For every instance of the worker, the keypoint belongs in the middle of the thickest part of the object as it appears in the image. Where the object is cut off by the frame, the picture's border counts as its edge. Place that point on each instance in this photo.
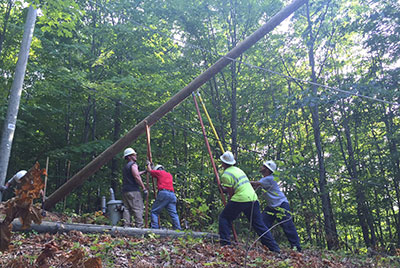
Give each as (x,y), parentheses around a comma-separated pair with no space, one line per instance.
(165,198)
(242,198)
(277,204)
(131,196)
(15,179)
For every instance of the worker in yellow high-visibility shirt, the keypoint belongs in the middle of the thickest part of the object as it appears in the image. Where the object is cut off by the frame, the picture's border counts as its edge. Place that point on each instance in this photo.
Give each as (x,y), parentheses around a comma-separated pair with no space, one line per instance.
(242,198)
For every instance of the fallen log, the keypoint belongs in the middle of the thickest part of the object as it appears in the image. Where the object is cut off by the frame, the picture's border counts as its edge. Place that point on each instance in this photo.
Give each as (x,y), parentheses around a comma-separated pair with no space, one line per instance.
(60,227)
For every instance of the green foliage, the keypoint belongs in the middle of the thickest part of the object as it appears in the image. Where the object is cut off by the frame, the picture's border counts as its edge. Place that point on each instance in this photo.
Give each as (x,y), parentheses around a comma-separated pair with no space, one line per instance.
(96,69)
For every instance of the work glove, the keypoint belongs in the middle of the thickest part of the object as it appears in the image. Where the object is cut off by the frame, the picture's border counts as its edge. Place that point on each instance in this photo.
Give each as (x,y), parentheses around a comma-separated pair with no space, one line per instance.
(145,193)
(3,188)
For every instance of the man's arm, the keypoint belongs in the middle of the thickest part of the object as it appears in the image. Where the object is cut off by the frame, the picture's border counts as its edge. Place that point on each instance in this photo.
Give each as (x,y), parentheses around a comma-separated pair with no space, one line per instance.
(136,176)
(255,184)
(227,185)
(229,190)
(148,166)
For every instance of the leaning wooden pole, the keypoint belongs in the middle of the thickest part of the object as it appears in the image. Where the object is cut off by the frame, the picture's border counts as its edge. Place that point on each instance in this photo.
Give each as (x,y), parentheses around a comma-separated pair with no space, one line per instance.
(140,128)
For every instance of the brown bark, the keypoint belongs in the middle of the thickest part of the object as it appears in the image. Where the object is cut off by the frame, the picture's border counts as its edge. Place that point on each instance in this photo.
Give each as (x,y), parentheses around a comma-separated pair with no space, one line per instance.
(332,238)
(395,160)
(116,134)
(5,22)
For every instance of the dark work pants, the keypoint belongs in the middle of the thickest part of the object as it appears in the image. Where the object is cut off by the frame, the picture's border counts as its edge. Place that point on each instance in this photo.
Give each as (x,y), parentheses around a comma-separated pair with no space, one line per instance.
(271,214)
(233,210)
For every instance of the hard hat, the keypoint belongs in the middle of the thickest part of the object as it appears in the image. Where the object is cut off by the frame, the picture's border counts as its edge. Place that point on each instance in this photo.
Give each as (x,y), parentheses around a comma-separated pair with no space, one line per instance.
(129,151)
(270,165)
(228,158)
(159,167)
(18,176)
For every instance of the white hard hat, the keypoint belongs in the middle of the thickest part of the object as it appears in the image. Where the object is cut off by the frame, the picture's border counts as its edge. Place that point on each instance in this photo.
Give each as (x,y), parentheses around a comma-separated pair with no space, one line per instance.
(129,151)
(158,167)
(18,176)
(270,165)
(228,158)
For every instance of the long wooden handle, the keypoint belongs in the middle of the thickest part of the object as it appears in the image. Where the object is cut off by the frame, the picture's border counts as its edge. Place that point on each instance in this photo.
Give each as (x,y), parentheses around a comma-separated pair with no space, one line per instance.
(45,179)
(149,156)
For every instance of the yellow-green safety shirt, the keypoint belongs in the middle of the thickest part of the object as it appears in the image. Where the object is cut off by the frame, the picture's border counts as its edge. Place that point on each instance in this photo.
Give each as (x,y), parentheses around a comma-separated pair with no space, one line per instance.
(243,191)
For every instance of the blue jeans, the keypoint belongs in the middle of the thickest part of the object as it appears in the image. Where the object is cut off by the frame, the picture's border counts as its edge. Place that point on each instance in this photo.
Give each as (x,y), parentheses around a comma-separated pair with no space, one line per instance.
(271,214)
(165,199)
(233,210)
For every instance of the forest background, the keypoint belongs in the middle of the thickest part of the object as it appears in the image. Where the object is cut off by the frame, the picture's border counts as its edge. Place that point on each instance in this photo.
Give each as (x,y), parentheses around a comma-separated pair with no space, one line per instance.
(97,68)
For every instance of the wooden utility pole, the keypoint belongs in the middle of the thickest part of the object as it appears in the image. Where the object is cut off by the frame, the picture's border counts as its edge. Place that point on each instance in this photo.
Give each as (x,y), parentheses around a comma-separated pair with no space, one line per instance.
(15,95)
(140,128)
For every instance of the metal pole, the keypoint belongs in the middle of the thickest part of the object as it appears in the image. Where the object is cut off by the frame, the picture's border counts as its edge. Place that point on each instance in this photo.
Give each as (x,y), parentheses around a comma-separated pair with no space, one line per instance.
(15,95)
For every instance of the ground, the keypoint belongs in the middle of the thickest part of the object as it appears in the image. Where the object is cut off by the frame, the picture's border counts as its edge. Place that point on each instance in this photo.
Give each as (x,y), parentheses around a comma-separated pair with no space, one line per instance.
(75,249)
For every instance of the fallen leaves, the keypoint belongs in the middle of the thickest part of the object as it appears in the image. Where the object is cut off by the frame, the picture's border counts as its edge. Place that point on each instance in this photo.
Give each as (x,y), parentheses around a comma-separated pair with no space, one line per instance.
(50,249)
(21,206)
(75,249)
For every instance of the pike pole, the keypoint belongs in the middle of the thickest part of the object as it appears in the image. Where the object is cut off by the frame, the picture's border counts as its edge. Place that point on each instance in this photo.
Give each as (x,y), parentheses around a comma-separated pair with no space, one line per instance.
(212,160)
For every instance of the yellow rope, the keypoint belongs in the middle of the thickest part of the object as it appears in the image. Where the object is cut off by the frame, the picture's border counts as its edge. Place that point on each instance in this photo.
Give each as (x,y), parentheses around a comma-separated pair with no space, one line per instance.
(211,124)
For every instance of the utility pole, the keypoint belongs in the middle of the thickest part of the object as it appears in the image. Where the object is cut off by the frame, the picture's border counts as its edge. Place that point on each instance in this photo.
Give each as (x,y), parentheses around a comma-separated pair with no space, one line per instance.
(140,128)
(15,95)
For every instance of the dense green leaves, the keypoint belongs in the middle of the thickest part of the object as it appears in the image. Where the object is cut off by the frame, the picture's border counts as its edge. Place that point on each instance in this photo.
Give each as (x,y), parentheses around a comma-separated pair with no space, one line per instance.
(98,67)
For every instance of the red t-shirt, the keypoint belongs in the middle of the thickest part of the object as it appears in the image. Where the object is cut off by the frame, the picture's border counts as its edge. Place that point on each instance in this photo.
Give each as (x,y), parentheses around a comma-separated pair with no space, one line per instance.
(164,179)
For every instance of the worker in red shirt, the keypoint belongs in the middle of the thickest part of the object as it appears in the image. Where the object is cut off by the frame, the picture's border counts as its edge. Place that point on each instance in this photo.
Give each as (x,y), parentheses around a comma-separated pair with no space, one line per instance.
(165,197)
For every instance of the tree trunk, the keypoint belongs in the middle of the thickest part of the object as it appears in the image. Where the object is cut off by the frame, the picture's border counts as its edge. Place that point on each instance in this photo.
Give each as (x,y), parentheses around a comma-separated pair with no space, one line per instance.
(329,223)
(384,175)
(5,22)
(116,134)
(232,41)
(379,219)
(362,211)
(395,160)
(216,100)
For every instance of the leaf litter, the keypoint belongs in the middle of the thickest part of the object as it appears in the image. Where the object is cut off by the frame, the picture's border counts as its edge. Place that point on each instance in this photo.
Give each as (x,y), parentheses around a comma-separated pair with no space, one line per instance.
(75,249)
